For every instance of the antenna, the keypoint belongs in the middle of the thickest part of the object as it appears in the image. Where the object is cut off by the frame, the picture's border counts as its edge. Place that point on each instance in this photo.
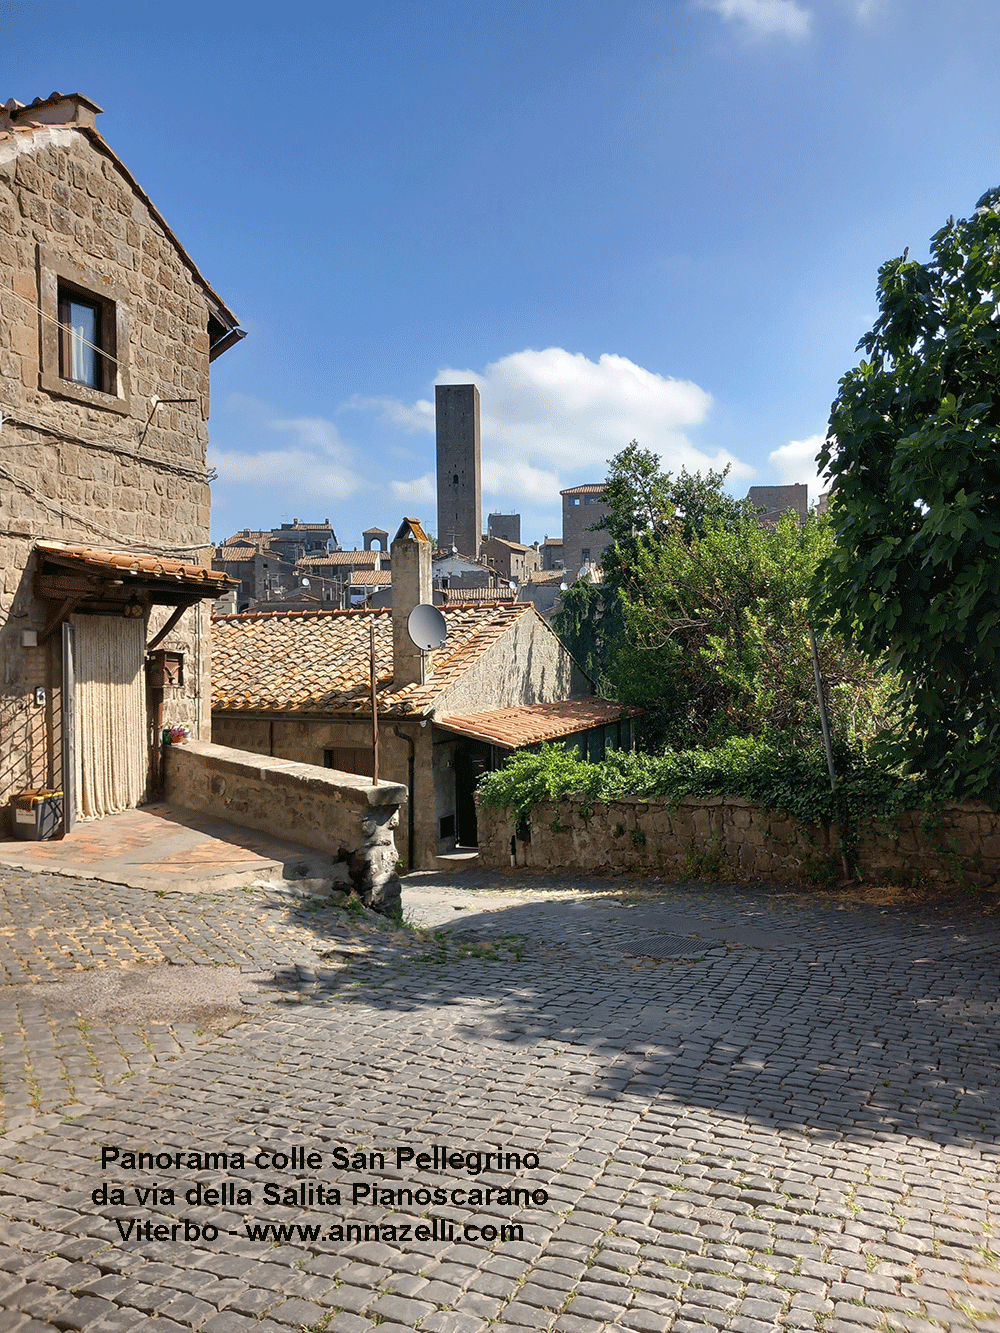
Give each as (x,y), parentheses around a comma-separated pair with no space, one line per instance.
(426,627)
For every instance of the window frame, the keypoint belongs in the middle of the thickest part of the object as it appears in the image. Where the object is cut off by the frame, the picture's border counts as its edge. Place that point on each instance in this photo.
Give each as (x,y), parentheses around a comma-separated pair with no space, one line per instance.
(62,279)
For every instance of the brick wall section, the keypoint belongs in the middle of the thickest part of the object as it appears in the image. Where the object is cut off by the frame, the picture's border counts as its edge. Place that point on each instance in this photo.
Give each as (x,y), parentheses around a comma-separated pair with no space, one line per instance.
(747,842)
(75,471)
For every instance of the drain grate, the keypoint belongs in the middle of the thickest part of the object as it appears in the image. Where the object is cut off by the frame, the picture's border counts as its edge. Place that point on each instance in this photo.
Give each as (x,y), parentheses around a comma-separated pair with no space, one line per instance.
(667,946)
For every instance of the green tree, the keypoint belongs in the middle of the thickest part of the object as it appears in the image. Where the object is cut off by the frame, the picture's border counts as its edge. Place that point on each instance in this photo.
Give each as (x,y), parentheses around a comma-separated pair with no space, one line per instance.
(715,638)
(914,454)
(703,616)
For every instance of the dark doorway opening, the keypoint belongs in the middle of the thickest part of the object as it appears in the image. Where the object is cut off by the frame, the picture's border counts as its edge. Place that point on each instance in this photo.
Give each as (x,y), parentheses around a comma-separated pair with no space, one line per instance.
(472,760)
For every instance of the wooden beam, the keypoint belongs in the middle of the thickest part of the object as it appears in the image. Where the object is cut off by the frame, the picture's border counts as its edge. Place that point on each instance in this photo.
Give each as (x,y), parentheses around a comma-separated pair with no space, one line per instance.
(171,622)
(65,610)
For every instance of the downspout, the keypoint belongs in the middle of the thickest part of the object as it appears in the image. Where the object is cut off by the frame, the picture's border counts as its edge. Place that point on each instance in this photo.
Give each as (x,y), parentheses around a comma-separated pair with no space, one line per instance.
(410,779)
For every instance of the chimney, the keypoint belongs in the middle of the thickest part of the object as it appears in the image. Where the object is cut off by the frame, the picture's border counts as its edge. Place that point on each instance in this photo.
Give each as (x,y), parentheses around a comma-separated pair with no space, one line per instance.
(56,109)
(411,585)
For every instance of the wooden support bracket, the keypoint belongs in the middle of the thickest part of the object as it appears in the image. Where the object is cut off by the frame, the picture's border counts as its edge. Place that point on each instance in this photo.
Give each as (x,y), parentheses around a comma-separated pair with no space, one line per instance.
(176,614)
(65,611)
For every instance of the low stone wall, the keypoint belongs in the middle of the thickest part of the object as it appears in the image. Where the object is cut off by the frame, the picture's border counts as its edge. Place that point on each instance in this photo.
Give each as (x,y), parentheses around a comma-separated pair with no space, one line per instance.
(338,813)
(725,837)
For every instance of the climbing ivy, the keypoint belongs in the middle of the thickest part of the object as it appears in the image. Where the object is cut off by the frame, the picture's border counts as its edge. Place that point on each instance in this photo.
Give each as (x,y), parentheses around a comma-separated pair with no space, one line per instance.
(795,781)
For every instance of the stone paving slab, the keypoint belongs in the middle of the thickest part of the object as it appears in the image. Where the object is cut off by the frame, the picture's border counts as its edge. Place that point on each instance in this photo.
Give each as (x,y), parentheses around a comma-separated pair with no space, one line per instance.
(801,1137)
(162,847)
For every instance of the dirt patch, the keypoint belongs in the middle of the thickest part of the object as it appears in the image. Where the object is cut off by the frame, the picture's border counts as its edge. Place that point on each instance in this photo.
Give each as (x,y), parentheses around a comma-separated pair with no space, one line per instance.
(204,997)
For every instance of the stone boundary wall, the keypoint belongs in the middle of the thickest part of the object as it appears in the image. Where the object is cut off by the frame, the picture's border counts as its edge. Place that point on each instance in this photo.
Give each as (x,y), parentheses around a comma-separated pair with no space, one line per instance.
(338,813)
(728,838)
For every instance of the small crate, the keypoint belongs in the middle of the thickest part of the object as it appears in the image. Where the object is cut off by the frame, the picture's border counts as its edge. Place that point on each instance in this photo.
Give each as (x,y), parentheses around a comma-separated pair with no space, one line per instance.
(37,814)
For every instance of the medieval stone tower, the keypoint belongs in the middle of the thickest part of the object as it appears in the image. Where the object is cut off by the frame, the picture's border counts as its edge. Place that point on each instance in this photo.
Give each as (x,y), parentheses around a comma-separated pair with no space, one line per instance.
(459,471)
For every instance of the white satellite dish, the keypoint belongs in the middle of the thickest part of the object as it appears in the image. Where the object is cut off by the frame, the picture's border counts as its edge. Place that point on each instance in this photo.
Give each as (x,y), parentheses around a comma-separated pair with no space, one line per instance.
(426,626)
(305,583)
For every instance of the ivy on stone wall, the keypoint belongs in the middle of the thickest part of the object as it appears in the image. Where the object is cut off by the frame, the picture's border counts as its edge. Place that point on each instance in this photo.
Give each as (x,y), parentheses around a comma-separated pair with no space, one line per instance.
(793,781)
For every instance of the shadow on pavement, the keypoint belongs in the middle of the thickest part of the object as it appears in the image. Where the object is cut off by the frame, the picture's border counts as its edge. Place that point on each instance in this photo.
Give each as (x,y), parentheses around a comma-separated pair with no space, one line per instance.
(785,1010)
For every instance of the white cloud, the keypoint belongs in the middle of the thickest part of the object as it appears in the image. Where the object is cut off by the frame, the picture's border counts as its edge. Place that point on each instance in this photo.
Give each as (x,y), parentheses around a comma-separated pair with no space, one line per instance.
(795,463)
(317,463)
(419,416)
(551,417)
(764,18)
(423,490)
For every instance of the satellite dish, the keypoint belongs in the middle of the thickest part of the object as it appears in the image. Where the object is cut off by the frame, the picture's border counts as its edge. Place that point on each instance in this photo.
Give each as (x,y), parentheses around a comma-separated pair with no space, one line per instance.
(426,626)
(305,583)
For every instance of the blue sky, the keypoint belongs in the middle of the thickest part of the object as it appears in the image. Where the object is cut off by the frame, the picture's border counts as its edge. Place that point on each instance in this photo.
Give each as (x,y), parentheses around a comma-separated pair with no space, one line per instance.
(622,219)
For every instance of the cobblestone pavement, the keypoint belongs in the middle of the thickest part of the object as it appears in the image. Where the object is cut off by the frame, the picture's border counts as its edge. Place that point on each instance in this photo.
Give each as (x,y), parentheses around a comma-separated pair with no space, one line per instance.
(750,1111)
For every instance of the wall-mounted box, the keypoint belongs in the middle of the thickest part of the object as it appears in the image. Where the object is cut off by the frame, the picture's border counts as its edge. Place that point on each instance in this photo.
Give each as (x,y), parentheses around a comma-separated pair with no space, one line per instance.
(165,668)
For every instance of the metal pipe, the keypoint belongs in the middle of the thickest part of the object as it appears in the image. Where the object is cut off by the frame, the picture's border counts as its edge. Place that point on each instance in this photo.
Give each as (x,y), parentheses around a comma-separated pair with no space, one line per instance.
(410,783)
(824,723)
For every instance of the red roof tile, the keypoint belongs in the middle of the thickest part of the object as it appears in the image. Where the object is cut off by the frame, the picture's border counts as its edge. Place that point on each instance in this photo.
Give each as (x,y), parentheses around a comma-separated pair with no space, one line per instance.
(156,567)
(512,728)
(317,661)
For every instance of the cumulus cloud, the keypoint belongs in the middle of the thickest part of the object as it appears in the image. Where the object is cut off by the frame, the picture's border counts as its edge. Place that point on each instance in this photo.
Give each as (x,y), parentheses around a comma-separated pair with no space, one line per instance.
(423,490)
(549,417)
(764,18)
(317,459)
(795,463)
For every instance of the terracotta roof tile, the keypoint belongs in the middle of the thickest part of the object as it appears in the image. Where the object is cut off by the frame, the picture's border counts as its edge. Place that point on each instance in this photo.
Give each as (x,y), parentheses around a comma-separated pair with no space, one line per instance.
(512,728)
(371,578)
(342,559)
(317,661)
(473,595)
(592,488)
(234,552)
(134,562)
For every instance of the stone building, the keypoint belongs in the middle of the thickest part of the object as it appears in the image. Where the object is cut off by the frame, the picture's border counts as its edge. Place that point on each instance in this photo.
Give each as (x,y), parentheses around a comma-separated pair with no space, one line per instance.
(296,686)
(107,329)
(778,500)
(507,526)
(459,469)
(583,506)
(513,562)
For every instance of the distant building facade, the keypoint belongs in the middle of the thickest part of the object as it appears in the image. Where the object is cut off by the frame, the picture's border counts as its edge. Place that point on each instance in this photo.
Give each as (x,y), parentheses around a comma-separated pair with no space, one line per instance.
(505,526)
(778,500)
(459,469)
(582,507)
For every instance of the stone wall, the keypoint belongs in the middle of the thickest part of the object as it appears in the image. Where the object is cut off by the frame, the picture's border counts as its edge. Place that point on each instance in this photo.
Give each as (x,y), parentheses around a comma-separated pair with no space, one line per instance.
(80,465)
(727,838)
(333,812)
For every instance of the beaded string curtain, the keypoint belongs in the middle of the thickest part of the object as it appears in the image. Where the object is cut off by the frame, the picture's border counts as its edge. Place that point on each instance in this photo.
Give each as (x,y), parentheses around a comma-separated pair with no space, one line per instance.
(111,748)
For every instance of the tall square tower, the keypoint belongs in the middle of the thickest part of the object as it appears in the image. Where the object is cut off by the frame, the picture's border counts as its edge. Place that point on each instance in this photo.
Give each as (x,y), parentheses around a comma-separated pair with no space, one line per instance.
(459,468)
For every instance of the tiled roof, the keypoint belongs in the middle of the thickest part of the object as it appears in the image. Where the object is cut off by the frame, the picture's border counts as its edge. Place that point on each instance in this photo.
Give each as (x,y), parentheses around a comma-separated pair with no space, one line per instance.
(546,576)
(156,567)
(514,546)
(375,532)
(473,595)
(341,559)
(592,488)
(234,552)
(249,536)
(513,727)
(371,578)
(317,661)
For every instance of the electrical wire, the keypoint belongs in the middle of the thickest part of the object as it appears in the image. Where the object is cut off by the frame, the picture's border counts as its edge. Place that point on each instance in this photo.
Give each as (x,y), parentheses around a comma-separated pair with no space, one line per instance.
(164,464)
(63,328)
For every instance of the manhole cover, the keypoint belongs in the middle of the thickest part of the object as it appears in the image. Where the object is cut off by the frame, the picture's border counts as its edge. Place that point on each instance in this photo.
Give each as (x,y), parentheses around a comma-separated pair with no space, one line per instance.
(667,946)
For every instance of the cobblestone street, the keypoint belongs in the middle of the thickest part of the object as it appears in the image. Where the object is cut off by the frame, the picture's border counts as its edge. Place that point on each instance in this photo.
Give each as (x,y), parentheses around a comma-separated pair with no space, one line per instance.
(751,1110)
